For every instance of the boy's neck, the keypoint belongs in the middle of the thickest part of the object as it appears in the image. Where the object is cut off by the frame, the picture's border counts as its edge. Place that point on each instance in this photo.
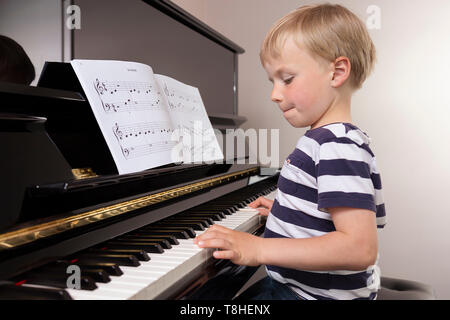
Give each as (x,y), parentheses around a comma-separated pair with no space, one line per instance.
(338,111)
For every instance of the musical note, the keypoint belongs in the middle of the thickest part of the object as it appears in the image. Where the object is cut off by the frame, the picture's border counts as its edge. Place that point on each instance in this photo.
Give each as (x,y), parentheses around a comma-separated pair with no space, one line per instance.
(138,129)
(182,101)
(117,132)
(127,96)
(138,151)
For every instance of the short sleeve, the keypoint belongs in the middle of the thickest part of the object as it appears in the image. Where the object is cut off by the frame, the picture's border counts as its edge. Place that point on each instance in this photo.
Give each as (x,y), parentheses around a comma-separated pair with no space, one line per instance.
(344,176)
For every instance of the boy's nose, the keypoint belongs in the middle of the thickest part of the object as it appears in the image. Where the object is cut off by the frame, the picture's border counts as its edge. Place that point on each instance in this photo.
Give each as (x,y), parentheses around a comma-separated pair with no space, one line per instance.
(276,96)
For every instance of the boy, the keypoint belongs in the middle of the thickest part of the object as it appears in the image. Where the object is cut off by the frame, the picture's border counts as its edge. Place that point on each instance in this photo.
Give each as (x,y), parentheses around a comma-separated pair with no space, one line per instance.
(320,240)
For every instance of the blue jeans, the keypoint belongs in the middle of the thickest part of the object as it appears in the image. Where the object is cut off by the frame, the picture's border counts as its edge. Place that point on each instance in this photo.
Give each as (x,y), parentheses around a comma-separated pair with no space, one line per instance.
(269,289)
(232,278)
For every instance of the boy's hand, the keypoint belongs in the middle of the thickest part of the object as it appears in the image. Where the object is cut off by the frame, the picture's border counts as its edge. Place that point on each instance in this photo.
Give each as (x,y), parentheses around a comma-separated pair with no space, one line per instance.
(240,247)
(265,203)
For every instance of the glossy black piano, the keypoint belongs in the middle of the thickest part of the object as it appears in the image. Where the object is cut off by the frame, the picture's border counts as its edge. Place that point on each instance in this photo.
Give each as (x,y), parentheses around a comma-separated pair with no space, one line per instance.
(72,228)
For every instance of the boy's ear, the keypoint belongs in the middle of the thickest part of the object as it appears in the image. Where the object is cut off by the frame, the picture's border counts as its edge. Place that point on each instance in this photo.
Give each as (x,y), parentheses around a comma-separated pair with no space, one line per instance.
(341,72)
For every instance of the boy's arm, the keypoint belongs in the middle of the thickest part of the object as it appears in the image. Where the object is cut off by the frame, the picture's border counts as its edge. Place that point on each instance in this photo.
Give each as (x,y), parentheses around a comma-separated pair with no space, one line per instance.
(353,246)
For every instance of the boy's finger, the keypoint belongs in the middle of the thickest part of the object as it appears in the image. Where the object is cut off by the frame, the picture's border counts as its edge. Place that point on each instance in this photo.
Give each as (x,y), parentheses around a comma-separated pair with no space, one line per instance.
(263,212)
(208,234)
(220,228)
(255,203)
(261,201)
(224,254)
(214,243)
(213,233)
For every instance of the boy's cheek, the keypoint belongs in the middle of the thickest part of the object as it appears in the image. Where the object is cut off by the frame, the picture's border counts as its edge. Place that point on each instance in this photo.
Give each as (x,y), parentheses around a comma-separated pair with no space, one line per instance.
(302,102)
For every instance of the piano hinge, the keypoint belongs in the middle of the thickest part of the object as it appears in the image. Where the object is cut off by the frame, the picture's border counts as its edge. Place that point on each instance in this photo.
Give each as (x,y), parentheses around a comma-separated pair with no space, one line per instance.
(84,173)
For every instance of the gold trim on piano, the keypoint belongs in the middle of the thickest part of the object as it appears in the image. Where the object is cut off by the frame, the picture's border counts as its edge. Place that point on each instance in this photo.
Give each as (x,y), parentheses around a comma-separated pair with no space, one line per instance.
(22,236)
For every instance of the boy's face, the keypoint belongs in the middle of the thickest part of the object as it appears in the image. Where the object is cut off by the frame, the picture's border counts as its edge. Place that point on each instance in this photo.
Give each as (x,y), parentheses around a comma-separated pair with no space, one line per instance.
(301,85)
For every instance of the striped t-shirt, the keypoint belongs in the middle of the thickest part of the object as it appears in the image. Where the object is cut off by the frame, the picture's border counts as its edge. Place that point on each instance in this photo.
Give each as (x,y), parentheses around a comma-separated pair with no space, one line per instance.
(331,166)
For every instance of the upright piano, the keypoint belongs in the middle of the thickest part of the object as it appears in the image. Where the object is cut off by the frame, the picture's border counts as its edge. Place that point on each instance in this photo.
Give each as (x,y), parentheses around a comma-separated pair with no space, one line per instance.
(71,227)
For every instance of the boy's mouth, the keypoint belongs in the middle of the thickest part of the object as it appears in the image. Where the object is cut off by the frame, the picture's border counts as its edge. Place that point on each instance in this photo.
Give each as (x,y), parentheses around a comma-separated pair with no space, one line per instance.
(287,109)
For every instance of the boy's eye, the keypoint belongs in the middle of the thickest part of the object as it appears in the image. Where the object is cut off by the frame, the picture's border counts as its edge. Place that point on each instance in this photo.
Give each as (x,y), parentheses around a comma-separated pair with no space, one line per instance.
(288,80)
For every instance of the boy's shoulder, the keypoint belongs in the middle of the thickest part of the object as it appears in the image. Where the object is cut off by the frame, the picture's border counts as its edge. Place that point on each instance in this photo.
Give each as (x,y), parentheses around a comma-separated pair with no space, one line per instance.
(339,132)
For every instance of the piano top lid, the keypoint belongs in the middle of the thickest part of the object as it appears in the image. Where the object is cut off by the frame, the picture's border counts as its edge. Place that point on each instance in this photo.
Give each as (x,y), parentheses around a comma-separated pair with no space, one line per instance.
(30,92)
(181,15)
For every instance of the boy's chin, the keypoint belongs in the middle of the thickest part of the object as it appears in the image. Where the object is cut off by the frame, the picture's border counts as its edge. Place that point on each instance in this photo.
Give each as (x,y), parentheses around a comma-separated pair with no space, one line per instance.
(299,124)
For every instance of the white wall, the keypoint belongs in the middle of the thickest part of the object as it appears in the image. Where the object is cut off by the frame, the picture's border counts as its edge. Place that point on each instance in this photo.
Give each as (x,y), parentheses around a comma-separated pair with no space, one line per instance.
(196,7)
(404,107)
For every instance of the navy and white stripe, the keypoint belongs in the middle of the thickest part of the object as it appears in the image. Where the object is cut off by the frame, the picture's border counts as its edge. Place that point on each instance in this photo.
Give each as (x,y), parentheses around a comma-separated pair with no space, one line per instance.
(331,166)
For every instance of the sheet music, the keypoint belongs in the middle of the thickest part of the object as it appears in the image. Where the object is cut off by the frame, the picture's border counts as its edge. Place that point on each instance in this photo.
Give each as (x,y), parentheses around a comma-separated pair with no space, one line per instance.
(189,116)
(131,112)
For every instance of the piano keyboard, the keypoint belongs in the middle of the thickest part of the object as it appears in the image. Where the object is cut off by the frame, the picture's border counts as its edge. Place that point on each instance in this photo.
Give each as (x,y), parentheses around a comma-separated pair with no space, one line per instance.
(146,262)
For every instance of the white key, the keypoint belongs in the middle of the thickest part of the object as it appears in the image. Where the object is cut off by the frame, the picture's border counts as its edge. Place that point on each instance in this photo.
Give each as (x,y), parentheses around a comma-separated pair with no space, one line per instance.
(149,279)
(97,294)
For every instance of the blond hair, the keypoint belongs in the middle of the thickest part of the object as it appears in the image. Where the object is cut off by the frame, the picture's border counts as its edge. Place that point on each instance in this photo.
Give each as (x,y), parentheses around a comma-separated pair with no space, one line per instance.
(328,31)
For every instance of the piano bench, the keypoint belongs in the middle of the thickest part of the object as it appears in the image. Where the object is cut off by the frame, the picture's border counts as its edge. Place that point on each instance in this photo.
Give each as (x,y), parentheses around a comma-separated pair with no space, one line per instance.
(400,289)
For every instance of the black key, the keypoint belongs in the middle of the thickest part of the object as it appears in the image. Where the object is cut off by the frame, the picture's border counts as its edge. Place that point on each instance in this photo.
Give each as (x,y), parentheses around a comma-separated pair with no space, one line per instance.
(236,204)
(112,269)
(240,204)
(188,230)
(99,275)
(163,243)
(20,292)
(212,216)
(226,210)
(120,259)
(203,211)
(223,213)
(210,213)
(141,255)
(171,239)
(195,226)
(176,233)
(232,207)
(235,207)
(206,222)
(58,280)
(151,247)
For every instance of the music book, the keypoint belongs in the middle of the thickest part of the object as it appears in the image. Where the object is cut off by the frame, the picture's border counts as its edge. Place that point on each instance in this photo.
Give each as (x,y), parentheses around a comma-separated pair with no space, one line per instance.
(148,120)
